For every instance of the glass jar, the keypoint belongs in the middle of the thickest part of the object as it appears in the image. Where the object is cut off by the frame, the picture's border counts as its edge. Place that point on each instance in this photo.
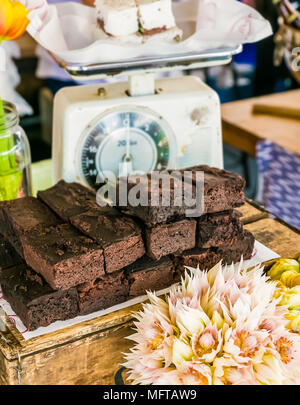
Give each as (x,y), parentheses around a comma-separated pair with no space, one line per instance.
(15,157)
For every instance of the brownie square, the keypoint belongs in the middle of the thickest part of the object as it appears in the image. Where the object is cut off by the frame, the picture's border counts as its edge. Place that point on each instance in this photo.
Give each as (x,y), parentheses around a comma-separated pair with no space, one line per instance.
(207,258)
(22,215)
(160,201)
(223,190)
(63,256)
(220,229)
(165,239)
(68,199)
(35,302)
(147,274)
(204,258)
(8,255)
(109,290)
(119,236)
(242,248)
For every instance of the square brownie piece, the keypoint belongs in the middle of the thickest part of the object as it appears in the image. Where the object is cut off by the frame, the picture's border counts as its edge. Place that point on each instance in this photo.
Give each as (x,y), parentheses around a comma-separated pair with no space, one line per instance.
(68,199)
(35,302)
(165,239)
(147,274)
(204,258)
(105,292)
(63,256)
(207,258)
(243,247)
(22,215)
(219,229)
(159,200)
(8,255)
(223,190)
(119,236)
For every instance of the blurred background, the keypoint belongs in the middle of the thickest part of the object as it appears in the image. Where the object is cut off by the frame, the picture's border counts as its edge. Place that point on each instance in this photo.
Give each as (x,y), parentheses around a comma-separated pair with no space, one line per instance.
(251,74)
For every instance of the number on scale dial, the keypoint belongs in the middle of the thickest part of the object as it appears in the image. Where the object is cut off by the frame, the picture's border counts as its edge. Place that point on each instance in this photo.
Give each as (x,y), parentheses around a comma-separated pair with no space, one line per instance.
(126,140)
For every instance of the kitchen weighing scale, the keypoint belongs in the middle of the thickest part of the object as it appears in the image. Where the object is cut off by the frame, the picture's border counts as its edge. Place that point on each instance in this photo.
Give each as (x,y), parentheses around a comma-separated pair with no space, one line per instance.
(139,125)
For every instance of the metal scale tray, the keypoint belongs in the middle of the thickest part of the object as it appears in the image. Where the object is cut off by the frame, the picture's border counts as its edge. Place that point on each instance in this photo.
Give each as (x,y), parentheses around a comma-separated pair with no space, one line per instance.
(183,61)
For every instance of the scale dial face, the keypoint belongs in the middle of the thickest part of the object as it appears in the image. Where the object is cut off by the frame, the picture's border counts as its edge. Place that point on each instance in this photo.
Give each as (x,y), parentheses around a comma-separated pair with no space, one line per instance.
(125,140)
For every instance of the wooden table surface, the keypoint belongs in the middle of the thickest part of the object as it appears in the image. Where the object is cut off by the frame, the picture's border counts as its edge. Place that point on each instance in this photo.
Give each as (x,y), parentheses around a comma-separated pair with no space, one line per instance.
(91,352)
(243,129)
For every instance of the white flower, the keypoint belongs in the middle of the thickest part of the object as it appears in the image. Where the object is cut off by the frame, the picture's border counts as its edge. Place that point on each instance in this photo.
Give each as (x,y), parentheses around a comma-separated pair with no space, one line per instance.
(181,352)
(190,320)
(219,327)
(270,371)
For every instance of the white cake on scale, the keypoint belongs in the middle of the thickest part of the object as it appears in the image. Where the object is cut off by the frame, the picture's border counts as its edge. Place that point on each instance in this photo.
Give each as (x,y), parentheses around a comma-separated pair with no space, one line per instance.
(136,21)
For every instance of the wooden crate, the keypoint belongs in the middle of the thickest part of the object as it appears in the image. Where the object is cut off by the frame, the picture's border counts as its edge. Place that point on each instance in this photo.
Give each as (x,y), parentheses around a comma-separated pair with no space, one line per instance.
(91,352)
(86,353)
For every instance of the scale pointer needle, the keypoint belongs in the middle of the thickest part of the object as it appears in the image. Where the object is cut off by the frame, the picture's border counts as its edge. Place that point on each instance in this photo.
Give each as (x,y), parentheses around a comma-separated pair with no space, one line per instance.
(126,166)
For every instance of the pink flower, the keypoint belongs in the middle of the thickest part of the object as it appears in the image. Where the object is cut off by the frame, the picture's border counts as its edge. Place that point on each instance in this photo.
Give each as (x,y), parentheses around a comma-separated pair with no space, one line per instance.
(207,344)
(218,327)
(194,373)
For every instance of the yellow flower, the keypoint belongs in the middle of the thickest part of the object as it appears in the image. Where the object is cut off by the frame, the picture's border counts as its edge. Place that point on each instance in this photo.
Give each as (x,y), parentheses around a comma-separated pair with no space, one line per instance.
(281,266)
(290,278)
(269,371)
(294,318)
(289,296)
(13,20)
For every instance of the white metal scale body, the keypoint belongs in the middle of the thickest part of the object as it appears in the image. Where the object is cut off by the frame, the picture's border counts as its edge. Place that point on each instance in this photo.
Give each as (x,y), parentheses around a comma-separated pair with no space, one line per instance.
(96,130)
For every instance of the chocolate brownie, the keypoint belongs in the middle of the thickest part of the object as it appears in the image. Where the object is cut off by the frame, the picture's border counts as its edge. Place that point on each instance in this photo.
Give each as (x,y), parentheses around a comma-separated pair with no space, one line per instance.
(204,258)
(154,200)
(242,248)
(68,199)
(207,258)
(165,239)
(119,236)
(221,191)
(35,302)
(147,274)
(219,229)
(8,256)
(22,215)
(63,256)
(109,290)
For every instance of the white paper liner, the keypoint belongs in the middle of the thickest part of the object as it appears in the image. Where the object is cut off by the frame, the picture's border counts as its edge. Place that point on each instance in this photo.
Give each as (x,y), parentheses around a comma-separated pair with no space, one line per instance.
(67,30)
(260,254)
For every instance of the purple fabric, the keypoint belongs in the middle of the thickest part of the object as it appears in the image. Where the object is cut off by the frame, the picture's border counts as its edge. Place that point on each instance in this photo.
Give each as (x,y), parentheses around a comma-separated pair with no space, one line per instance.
(280,174)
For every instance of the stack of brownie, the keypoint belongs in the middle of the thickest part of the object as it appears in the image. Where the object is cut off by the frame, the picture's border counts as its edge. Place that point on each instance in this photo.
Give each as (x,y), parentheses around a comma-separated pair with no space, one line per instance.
(62,255)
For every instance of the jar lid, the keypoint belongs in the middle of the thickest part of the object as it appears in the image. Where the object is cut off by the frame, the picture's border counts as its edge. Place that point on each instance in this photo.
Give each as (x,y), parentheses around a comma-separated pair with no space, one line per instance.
(11,116)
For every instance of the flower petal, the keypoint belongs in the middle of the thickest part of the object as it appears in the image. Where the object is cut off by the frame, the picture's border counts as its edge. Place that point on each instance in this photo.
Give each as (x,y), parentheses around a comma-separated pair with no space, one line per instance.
(6,17)
(13,21)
